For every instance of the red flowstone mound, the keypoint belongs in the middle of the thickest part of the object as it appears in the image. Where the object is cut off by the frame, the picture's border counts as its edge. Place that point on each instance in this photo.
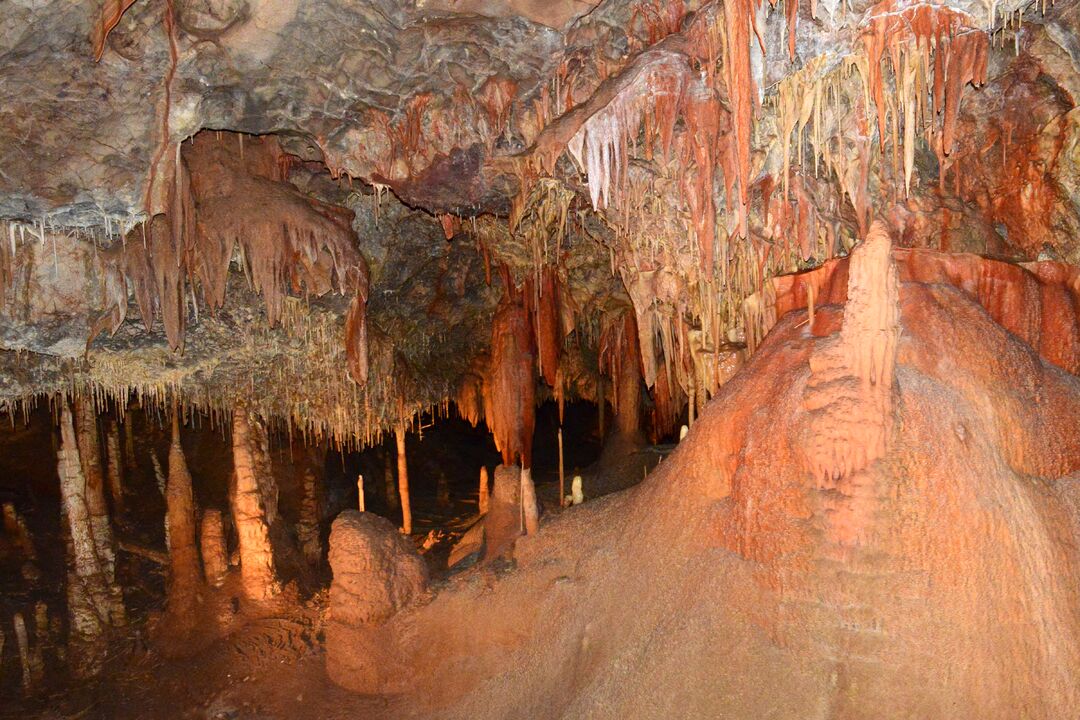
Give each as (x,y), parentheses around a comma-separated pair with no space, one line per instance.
(876,518)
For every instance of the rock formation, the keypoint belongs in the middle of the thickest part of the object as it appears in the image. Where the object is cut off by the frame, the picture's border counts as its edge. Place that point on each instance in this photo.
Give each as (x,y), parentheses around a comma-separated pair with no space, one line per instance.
(253,508)
(212,546)
(185,575)
(95,604)
(377,573)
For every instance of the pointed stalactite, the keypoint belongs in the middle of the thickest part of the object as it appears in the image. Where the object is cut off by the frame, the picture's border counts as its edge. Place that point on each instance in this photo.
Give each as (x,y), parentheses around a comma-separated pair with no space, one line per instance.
(92,599)
(510,394)
(549,335)
(738,16)
(706,120)
(185,575)
(620,357)
(250,515)
(403,480)
(213,548)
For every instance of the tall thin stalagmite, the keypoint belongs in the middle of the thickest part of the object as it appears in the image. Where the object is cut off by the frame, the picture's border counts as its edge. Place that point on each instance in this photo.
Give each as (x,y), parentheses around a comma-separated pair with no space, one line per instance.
(307,528)
(390,482)
(88,442)
(115,466)
(212,543)
(94,602)
(185,576)
(403,480)
(484,490)
(250,514)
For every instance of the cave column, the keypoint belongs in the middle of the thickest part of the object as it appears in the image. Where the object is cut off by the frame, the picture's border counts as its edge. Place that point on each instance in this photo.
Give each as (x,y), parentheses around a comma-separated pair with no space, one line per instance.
(403,480)
(185,576)
(252,511)
(94,602)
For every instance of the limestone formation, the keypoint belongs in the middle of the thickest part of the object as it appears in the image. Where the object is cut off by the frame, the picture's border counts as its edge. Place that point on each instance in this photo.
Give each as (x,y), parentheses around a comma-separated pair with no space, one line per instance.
(376,570)
(215,559)
(377,573)
(485,485)
(95,603)
(308,528)
(252,510)
(185,575)
(403,481)
(115,467)
(24,653)
(503,522)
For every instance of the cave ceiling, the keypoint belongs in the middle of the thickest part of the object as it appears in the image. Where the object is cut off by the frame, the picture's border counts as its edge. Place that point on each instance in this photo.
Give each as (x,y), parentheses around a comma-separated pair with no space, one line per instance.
(662,156)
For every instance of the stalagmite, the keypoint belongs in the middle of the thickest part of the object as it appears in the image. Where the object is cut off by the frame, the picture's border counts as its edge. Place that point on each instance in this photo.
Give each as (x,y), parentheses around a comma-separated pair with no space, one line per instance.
(24,653)
(250,514)
(185,577)
(530,515)
(94,604)
(115,465)
(483,501)
(390,483)
(89,447)
(576,493)
(212,544)
(360,493)
(308,533)
(850,391)
(502,524)
(403,480)
(15,528)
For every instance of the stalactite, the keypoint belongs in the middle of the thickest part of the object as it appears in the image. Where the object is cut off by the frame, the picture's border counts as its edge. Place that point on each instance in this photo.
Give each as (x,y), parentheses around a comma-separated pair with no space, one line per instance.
(738,17)
(549,334)
(510,404)
(621,360)
(185,575)
(250,515)
(212,546)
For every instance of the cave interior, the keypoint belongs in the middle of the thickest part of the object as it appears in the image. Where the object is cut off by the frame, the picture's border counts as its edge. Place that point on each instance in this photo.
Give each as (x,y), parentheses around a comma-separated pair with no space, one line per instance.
(540,359)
